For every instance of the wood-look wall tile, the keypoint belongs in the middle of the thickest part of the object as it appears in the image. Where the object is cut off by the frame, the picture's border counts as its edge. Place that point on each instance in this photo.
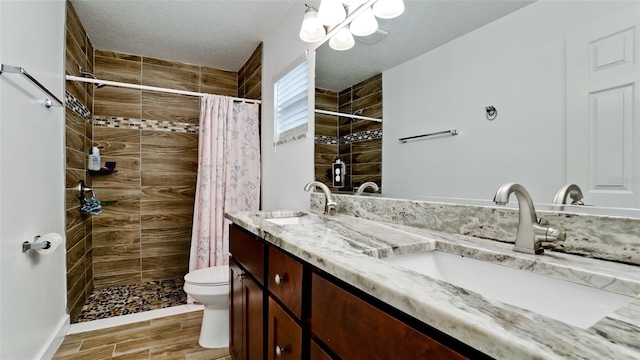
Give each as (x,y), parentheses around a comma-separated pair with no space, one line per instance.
(72,177)
(364,125)
(74,122)
(326,100)
(75,159)
(326,120)
(116,237)
(367,157)
(101,281)
(117,55)
(116,252)
(325,159)
(112,94)
(322,175)
(170,107)
(165,235)
(121,222)
(74,27)
(166,220)
(131,136)
(73,218)
(124,178)
(167,139)
(344,130)
(75,254)
(368,87)
(163,158)
(168,77)
(357,180)
(321,130)
(372,80)
(110,148)
(123,164)
(171,64)
(89,52)
(103,108)
(169,179)
(75,299)
(253,85)
(344,97)
(74,235)
(254,63)
(369,145)
(166,248)
(75,274)
(367,102)
(215,81)
(116,267)
(123,207)
(73,139)
(163,193)
(88,133)
(162,274)
(119,194)
(116,69)
(76,51)
(366,169)
(326,148)
(169,261)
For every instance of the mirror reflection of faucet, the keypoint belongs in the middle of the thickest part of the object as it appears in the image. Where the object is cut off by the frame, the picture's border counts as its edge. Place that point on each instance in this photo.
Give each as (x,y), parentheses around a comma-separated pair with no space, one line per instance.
(574,192)
(368,184)
(532,233)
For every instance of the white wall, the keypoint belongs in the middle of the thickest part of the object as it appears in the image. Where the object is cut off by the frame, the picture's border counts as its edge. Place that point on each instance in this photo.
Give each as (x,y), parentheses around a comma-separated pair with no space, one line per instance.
(516,64)
(32,287)
(287,168)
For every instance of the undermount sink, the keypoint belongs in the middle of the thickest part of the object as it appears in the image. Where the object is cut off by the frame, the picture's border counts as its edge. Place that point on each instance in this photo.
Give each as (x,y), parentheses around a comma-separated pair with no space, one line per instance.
(574,304)
(293,219)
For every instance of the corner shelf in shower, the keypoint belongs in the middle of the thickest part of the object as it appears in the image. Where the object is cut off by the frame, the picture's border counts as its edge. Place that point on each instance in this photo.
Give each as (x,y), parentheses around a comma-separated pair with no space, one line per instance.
(102,172)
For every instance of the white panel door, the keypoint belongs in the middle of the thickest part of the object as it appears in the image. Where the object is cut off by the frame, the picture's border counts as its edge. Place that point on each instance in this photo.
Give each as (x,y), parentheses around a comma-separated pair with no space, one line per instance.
(603,109)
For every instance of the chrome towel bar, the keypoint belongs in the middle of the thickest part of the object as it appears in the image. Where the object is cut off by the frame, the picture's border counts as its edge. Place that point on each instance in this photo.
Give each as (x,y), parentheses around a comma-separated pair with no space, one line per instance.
(451,131)
(20,70)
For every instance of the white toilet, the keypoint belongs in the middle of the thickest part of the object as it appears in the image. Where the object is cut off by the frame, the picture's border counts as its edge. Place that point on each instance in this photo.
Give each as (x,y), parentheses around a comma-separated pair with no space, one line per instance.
(210,287)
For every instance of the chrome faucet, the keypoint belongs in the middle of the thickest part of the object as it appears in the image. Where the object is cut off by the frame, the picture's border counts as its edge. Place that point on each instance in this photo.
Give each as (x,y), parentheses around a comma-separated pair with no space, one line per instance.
(370,184)
(531,234)
(330,204)
(573,191)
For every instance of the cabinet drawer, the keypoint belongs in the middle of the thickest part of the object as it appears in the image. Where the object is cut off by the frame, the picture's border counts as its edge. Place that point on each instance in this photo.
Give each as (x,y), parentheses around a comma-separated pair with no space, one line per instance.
(285,336)
(248,251)
(354,329)
(285,280)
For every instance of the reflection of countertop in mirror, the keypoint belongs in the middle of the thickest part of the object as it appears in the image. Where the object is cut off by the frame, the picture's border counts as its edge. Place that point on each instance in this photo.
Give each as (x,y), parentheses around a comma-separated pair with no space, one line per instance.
(346,247)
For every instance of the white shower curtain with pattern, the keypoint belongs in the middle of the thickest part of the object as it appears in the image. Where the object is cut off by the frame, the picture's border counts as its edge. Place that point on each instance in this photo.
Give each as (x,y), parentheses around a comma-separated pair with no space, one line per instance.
(228,175)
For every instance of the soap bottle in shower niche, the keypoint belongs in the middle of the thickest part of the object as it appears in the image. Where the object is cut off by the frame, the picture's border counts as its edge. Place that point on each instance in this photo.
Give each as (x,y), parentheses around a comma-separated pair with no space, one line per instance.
(94,159)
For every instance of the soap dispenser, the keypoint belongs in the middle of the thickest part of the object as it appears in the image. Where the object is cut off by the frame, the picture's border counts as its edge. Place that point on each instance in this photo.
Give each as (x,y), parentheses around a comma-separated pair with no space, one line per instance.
(94,159)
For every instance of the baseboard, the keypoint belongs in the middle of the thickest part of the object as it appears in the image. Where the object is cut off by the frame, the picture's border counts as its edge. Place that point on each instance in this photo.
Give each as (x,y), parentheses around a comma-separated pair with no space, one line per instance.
(57,339)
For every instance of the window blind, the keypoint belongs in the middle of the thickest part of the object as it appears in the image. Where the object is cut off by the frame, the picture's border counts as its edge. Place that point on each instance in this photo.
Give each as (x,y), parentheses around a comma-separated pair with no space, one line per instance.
(291,104)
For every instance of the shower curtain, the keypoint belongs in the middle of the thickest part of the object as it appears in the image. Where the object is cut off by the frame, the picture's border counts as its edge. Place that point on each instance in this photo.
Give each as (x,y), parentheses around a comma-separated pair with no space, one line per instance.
(228,175)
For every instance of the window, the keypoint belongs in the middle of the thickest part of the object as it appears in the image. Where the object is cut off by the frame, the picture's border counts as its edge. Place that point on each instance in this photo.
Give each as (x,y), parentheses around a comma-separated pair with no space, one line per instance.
(291,104)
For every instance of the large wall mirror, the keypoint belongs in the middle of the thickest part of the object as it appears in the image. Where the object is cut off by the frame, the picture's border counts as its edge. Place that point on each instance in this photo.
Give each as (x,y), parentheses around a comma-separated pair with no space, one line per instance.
(561,75)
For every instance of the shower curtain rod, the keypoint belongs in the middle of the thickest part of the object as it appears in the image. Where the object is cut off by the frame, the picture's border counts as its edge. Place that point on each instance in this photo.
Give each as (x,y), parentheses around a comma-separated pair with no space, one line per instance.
(326,112)
(152,88)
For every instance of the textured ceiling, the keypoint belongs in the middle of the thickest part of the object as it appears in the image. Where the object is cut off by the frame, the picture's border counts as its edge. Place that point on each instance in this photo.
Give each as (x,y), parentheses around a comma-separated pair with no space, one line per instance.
(214,33)
(424,25)
(223,34)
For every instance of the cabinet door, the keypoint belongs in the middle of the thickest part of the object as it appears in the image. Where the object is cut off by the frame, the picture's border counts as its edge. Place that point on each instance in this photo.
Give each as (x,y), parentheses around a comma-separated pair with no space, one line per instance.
(317,353)
(285,336)
(248,251)
(236,320)
(254,320)
(354,329)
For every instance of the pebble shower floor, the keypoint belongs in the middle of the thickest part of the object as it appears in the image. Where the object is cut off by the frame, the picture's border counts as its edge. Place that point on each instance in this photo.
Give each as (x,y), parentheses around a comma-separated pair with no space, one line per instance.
(130,299)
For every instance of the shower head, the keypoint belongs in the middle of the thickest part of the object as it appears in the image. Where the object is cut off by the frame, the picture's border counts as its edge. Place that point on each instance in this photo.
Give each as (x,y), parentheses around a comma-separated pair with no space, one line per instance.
(88,74)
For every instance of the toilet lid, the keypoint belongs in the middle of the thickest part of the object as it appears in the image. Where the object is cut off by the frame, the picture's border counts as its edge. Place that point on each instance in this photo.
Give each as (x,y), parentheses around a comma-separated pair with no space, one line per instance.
(215,275)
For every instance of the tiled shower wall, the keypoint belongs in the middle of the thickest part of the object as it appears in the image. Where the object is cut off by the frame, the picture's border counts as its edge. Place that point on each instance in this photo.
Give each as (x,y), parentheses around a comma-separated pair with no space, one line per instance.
(358,143)
(79,53)
(153,138)
(145,236)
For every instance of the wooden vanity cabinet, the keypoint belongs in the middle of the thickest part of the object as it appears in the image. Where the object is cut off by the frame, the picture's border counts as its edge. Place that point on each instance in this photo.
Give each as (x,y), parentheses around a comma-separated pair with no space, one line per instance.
(285,335)
(246,296)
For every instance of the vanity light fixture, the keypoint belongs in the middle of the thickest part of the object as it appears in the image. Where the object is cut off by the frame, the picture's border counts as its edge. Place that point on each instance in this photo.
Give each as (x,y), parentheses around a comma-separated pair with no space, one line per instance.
(388,9)
(312,29)
(331,12)
(342,40)
(333,17)
(365,24)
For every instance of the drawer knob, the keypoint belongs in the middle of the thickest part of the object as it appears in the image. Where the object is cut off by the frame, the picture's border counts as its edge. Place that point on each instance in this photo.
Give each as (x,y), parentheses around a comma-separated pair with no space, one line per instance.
(279,351)
(280,278)
(241,276)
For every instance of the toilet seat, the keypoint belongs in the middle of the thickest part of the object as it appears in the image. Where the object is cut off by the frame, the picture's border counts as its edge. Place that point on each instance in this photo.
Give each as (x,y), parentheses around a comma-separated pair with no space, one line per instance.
(211,276)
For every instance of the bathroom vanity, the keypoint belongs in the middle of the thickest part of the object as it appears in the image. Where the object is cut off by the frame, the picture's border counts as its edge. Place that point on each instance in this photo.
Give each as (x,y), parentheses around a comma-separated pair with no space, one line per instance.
(306,285)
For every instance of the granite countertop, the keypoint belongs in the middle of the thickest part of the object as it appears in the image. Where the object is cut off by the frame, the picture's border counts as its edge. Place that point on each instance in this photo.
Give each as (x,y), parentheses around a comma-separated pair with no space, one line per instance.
(351,248)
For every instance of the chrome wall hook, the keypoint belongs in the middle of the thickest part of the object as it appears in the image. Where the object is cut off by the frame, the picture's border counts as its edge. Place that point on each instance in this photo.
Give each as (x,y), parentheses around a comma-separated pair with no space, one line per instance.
(492,113)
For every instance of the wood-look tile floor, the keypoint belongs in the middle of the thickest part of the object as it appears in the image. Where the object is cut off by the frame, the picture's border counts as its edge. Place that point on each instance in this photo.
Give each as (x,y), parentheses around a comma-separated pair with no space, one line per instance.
(171,337)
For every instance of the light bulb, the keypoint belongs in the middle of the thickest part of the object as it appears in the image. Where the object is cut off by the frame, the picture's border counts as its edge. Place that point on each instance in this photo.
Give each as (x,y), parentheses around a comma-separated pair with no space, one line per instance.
(331,12)
(312,29)
(365,24)
(342,40)
(388,9)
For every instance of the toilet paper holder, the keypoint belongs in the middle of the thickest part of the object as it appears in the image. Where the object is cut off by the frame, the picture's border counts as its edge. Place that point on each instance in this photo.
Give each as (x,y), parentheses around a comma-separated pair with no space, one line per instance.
(35,245)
